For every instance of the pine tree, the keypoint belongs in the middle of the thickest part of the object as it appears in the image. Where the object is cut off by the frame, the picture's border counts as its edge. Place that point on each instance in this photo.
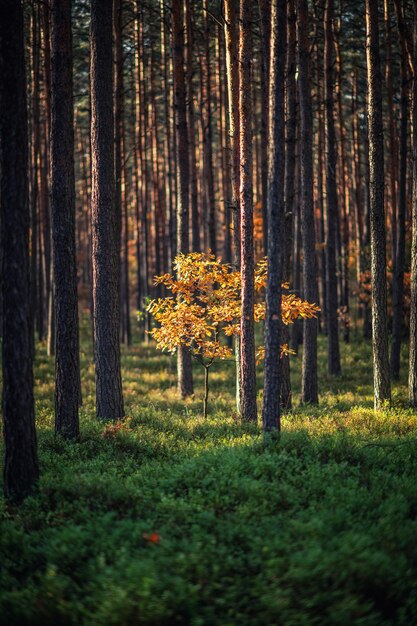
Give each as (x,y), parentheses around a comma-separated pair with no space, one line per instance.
(382,385)
(67,366)
(20,461)
(276,170)
(105,232)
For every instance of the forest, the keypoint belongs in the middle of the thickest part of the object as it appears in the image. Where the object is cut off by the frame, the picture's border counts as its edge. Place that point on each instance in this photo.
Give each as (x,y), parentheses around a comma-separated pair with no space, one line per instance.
(208,307)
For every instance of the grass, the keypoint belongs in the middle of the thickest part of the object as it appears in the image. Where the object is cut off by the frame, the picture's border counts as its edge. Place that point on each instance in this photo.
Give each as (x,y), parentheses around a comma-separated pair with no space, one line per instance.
(171,519)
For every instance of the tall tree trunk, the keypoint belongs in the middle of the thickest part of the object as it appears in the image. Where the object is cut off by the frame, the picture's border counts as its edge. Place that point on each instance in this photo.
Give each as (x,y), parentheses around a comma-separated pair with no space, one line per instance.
(20,461)
(247,335)
(232,72)
(344,191)
(309,391)
(208,134)
(185,377)
(120,177)
(331,193)
(398,266)
(289,176)
(276,171)
(412,371)
(105,231)
(392,134)
(195,218)
(67,363)
(265,37)
(382,385)
(320,195)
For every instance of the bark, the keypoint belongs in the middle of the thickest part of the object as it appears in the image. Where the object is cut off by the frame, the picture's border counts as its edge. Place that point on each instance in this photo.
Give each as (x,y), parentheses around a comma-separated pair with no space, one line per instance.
(185,379)
(276,170)
(331,193)
(120,174)
(358,189)
(195,217)
(208,134)
(265,43)
(392,139)
(20,459)
(320,197)
(105,232)
(232,74)
(309,390)
(382,386)
(289,177)
(247,338)
(344,192)
(67,365)
(398,267)
(412,371)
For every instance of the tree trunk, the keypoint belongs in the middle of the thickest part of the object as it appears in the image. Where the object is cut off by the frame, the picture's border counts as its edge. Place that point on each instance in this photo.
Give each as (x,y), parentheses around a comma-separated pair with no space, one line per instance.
(67,364)
(195,217)
(247,335)
(20,462)
(185,377)
(105,232)
(412,371)
(232,72)
(398,266)
(289,176)
(208,134)
(276,171)
(331,192)
(265,44)
(382,385)
(309,391)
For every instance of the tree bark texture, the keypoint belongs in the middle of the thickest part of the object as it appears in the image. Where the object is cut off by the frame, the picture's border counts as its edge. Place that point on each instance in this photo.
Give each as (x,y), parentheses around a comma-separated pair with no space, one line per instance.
(20,461)
(309,389)
(382,385)
(67,364)
(247,336)
(276,170)
(104,222)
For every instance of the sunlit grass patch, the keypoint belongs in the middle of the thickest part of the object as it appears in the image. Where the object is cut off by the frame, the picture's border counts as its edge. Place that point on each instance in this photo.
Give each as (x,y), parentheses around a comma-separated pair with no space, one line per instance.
(318,527)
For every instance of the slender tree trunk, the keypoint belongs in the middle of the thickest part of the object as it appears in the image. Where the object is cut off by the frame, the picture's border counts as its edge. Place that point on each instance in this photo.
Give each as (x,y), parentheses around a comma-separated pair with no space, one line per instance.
(382,386)
(412,371)
(331,193)
(185,377)
(398,266)
(320,194)
(67,363)
(309,390)
(105,231)
(289,177)
(344,192)
(358,190)
(195,218)
(265,37)
(392,138)
(276,171)
(20,460)
(232,65)
(208,134)
(247,335)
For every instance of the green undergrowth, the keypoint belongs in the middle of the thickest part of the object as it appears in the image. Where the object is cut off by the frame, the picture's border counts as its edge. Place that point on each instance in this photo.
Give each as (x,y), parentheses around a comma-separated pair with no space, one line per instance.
(169,519)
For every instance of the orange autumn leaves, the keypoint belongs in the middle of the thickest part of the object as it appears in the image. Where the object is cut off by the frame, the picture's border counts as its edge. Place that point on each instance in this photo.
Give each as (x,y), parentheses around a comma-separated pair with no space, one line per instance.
(205,305)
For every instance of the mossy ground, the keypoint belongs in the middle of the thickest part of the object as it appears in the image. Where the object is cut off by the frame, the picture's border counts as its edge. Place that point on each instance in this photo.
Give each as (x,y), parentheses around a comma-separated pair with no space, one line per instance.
(179,520)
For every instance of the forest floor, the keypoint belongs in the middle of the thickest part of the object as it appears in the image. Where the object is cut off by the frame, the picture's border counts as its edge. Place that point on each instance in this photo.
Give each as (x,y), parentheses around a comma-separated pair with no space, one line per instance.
(172,519)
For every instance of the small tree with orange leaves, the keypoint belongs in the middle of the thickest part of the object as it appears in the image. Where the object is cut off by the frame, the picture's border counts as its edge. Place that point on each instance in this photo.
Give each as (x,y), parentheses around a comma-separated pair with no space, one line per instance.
(205,308)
